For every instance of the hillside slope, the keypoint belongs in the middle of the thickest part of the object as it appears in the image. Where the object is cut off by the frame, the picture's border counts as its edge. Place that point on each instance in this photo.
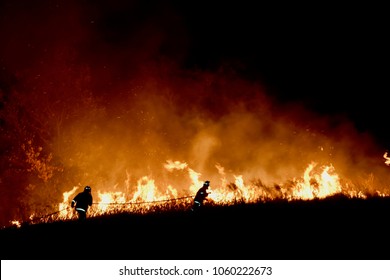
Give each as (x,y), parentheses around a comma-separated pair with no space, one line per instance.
(334,228)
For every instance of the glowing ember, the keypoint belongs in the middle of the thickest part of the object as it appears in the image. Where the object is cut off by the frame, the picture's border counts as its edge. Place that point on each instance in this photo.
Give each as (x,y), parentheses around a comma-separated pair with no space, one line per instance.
(16,223)
(387,159)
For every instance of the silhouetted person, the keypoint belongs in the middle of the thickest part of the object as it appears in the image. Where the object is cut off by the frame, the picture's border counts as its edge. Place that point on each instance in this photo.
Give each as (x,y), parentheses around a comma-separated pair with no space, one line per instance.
(82,201)
(201,196)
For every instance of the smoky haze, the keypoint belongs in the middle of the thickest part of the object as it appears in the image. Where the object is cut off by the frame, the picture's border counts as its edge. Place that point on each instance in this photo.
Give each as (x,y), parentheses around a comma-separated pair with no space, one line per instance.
(99,94)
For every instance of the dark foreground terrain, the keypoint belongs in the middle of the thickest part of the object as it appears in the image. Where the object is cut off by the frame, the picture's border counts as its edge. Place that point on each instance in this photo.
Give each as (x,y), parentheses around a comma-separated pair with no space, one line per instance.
(334,228)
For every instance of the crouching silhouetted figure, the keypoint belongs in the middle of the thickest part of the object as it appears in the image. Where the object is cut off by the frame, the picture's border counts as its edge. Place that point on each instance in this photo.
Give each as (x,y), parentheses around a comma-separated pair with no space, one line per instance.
(200,196)
(82,201)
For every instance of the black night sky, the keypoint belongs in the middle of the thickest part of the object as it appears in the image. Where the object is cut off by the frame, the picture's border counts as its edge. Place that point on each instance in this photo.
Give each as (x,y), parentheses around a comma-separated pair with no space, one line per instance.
(330,57)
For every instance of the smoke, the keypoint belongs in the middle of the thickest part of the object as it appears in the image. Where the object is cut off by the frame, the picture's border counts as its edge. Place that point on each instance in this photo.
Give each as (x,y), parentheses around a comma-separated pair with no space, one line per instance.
(98,94)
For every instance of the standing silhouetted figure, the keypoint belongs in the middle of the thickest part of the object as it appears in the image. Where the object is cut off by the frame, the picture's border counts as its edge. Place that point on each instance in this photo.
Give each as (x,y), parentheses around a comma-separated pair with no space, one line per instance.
(82,201)
(201,196)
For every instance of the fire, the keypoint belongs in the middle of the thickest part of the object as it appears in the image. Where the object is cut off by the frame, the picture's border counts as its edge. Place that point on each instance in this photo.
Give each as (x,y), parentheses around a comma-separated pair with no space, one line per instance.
(16,223)
(316,182)
(146,135)
(387,159)
(175,165)
(109,198)
(317,185)
(63,208)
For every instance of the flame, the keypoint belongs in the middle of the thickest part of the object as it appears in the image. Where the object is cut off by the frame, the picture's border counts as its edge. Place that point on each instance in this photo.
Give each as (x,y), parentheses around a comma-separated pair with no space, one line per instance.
(63,207)
(16,223)
(175,165)
(109,198)
(316,182)
(387,159)
(317,185)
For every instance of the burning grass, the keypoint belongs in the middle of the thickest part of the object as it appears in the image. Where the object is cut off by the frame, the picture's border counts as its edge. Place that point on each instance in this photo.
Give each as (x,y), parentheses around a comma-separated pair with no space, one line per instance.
(335,227)
(318,183)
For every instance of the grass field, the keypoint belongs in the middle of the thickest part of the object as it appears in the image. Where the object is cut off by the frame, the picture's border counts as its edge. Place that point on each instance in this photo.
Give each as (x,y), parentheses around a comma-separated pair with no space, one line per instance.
(332,228)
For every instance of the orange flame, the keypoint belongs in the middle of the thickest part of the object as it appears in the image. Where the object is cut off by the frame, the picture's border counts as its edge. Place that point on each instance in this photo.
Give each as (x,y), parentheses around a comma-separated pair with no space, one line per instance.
(315,182)
(317,185)
(387,161)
